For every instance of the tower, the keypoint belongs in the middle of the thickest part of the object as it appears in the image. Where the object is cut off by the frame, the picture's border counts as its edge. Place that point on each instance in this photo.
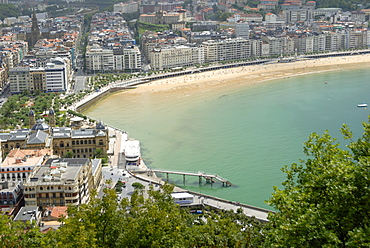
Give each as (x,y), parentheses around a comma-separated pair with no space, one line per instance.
(31,118)
(35,31)
(51,118)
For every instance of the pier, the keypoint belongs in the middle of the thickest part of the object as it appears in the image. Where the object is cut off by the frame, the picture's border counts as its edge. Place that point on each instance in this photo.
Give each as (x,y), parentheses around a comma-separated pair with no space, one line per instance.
(210,178)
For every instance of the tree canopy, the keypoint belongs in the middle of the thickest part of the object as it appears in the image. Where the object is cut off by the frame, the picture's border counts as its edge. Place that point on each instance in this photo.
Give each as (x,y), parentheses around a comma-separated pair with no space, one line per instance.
(325,201)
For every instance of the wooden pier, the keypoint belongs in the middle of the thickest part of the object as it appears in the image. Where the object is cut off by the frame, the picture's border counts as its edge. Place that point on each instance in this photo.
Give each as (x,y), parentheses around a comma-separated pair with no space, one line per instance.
(210,178)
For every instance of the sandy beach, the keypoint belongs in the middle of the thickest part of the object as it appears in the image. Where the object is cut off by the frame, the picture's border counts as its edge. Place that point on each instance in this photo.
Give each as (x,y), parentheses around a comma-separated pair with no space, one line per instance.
(251,74)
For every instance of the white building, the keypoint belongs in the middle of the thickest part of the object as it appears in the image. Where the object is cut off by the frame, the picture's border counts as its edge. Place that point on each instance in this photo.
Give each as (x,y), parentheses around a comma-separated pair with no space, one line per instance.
(175,56)
(229,49)
(19,79)
(56,76)
(242,30)
(130,7)
(98,59)
(127,58)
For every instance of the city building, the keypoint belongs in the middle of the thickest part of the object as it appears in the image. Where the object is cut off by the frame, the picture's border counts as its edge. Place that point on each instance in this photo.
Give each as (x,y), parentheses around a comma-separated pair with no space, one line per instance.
(11,196)
(59,182)
(229,49)
(175,56)
(118,59)
(81,142)
(30,215)
(54,77)
(129,7)
(242,30)
(18,164)
(161,17)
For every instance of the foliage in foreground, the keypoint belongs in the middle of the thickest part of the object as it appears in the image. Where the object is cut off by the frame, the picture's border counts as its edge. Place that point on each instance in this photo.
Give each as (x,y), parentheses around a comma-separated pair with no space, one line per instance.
(152,222)
(326,198)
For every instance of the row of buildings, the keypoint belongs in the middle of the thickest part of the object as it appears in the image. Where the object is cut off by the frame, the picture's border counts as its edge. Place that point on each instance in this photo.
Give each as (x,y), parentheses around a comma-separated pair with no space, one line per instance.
(53,77)
(39,54)
(35,172)
(163,54)
(111,47)
(295,30)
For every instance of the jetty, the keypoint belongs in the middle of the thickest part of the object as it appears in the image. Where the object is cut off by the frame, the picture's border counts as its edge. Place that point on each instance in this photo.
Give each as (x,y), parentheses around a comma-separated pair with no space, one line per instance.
(210,178)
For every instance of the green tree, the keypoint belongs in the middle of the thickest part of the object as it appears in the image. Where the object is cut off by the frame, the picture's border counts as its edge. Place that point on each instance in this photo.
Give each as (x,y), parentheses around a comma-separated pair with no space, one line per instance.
(69,154)
(154,221)
(325,201)
(137,185)
(18,234)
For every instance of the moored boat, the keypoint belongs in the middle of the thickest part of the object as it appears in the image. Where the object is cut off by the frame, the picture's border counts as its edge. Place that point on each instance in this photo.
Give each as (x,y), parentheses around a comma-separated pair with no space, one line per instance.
(362,105)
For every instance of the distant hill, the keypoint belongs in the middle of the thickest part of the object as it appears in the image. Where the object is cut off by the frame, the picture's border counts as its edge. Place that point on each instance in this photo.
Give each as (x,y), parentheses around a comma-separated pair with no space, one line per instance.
(8,10)
(344,4)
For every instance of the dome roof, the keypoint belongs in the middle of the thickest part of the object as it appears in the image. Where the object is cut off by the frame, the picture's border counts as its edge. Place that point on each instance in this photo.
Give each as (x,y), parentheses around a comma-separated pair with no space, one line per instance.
(100,126)
(40,125)
(51,112)
(31,113)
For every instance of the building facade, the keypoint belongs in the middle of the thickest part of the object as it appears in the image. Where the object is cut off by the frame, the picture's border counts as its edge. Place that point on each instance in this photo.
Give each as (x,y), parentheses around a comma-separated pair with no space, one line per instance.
(59,182)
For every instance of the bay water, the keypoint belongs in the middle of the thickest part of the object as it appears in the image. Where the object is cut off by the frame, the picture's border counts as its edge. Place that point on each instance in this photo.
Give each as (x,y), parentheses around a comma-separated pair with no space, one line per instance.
(245,134)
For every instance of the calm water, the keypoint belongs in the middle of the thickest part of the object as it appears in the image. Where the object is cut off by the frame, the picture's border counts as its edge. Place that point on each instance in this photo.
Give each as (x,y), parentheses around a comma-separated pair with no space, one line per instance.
(245,135)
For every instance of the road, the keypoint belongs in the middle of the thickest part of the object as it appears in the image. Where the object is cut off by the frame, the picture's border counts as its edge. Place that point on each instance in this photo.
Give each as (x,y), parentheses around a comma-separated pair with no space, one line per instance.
(80,84)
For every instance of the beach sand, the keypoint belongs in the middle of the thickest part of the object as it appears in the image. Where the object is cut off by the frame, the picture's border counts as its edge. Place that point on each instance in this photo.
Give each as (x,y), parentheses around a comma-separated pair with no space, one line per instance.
(241,76)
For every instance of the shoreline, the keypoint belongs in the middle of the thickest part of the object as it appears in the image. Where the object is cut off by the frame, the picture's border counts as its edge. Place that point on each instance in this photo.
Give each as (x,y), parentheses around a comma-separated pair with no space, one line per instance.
(251,74)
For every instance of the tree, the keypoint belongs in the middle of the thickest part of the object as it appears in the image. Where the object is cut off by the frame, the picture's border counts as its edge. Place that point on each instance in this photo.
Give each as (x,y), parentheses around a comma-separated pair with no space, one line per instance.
(325,201)
(137,185)
(69,154)
(18,234)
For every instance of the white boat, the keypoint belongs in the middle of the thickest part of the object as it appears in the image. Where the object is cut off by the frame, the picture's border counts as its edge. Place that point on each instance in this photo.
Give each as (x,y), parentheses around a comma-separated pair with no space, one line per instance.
(362,105)
(132,151)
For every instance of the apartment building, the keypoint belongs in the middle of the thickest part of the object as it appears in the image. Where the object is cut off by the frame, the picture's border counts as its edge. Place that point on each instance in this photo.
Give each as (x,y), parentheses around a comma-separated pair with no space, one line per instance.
(20,79)
(99,60)
(51,78)
(56,76)
(228,49)
(59,182)
(242,30)
(175,56)
(161,17)
(124,58)
(18,164)
(127,58)
(11,193)
(280,45)
(129,7)
(357,38)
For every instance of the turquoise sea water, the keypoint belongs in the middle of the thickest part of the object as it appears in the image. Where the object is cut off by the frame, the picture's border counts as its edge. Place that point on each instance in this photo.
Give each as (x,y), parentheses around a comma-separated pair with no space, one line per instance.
(245,134)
